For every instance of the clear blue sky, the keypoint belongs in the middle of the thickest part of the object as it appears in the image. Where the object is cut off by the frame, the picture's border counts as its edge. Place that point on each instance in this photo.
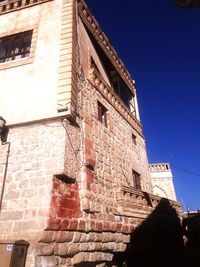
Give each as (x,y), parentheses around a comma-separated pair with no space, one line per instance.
(160,45)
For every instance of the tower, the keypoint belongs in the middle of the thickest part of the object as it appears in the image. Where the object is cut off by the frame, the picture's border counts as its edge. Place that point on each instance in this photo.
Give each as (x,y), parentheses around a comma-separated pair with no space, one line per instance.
(162,180)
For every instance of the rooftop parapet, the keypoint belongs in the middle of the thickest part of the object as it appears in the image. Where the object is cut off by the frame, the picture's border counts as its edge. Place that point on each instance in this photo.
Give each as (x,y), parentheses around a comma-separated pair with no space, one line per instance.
(159,167)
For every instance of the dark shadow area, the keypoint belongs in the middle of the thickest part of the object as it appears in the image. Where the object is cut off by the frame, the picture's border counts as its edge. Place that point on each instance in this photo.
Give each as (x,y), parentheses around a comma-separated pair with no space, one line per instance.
(157,242)
(191,226)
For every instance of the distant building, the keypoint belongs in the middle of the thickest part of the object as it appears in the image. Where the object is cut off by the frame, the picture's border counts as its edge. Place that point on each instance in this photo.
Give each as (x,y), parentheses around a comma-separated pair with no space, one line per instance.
(162,180)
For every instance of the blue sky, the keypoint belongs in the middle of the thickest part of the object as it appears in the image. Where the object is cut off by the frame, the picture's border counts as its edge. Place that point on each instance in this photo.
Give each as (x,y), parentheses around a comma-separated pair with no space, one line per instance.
(160,45)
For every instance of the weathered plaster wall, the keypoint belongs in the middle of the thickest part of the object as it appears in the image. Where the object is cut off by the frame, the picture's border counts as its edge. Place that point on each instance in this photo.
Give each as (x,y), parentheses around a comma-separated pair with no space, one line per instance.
(42,84)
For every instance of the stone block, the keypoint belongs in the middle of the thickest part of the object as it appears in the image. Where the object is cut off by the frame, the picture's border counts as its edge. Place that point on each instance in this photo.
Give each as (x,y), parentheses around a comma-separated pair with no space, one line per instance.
(47,237)
(78,258)
(64,236)
(84,247)
(73,249)
(62,249)
(45,249)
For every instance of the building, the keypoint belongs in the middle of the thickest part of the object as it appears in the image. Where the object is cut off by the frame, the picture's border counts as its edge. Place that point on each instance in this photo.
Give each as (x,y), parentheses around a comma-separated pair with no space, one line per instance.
(162,180)
(187,3)
(74,173)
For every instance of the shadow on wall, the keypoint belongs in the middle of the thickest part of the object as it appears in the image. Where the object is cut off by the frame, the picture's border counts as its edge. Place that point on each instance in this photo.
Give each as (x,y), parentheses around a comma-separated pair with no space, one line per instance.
(157,242)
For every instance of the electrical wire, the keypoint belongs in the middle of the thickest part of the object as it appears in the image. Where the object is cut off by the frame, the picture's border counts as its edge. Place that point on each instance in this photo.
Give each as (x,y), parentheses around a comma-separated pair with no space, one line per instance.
(71,144)
(82,163)
(5,173)
(177,167)
(185,170)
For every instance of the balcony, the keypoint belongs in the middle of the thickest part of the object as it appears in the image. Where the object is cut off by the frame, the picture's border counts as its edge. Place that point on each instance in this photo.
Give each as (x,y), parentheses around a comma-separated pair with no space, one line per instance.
(140,204)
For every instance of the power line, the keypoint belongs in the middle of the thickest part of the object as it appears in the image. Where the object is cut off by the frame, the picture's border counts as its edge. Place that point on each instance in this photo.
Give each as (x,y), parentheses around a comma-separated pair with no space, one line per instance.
(185,170)
(176,166)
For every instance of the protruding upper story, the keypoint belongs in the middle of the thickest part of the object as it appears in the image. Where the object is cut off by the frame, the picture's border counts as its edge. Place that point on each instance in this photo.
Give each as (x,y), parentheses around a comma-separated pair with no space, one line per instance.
(40,61)
(162,180)
(104,69)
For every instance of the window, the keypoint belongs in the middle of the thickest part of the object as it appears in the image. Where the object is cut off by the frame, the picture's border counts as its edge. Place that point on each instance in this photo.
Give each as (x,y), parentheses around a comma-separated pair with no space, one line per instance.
(93,64)
(134,139)
(122,90)
(102,114)
(15,46)
(136,180)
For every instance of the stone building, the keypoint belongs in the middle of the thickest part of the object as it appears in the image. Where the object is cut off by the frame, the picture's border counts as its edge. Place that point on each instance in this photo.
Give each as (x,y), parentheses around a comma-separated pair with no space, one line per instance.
(74,173)
(162,180)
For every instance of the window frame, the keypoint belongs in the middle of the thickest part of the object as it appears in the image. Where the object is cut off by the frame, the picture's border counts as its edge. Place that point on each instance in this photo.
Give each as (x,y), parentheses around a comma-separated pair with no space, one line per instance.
(134,138)
(136,180)
(102,114)
(11,54)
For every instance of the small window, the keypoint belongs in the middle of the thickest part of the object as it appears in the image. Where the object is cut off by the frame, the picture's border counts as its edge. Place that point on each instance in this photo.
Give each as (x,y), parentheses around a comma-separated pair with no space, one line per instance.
(136,180)
(93,64)
(102,114)
(15,46)
(134,139)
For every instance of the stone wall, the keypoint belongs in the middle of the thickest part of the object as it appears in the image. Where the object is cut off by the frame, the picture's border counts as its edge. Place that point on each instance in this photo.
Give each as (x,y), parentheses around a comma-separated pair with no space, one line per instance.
(88,222)
(36,154)
(111,149)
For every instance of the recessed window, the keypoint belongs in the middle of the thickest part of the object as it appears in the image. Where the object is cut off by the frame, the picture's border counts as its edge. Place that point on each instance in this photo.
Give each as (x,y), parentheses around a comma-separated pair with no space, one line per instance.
(102,114)
(134,139)
(93,64)
(136,180)
(15,46)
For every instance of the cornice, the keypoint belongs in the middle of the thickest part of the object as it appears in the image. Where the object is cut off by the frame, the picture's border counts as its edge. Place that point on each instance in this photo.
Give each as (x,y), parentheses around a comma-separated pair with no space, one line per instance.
(108,93)
(126,196)
(103,41)
(13,5)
